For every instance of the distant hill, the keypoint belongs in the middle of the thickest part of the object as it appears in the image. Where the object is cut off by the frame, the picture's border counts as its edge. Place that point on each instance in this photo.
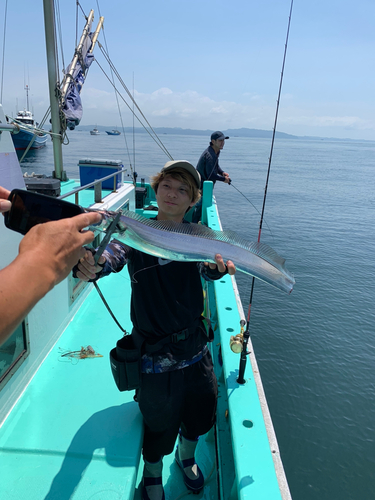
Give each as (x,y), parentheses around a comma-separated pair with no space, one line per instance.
(235,132)
(240,132)
(253,132)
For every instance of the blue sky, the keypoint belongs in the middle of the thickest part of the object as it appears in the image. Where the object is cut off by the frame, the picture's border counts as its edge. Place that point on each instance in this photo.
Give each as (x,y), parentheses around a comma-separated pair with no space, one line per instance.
(206,65)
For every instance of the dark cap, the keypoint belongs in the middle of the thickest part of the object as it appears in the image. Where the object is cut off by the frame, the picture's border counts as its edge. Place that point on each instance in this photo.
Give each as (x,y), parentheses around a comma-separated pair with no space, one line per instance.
(171,165)
(218,135)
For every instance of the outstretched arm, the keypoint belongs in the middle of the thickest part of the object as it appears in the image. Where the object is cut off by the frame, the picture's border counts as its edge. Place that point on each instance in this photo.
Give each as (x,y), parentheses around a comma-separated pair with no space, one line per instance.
(47,254)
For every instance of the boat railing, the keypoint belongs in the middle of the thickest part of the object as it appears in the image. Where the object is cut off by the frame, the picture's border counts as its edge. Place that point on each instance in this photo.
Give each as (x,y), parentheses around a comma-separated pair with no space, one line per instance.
(97,185)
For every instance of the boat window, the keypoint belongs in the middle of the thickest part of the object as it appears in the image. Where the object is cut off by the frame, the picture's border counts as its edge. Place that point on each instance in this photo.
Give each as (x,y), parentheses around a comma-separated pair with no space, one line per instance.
(125,205)
(76,287)
(14,352)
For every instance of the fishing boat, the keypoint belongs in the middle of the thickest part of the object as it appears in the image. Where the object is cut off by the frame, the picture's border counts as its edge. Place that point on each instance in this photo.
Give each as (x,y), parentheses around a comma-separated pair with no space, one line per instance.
(94,131)
(113,132)
(29,136)
(65,429)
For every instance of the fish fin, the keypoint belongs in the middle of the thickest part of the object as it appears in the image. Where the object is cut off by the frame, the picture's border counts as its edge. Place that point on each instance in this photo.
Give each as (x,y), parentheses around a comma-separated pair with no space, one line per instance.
(262,250)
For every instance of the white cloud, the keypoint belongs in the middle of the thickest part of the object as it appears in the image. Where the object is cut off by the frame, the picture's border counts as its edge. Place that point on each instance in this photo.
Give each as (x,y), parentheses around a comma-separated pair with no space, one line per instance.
(192,110)
(162,112)
(189,109)
(330,121)
(161,92)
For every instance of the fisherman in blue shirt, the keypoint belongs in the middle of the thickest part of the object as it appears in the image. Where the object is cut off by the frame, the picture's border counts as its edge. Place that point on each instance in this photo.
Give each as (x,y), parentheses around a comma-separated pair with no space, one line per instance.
(178,388)
(209,168)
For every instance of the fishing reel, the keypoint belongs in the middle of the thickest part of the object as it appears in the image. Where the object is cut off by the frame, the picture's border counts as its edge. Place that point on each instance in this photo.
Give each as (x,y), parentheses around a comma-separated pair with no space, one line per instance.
(236,341)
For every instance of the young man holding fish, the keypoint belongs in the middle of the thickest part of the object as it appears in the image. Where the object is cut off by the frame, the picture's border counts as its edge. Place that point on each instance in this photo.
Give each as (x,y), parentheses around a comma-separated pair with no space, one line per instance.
(178,389)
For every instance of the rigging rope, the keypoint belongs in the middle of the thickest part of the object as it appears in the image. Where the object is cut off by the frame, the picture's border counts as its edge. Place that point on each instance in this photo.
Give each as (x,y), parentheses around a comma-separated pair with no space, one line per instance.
(58,23)
(118,106)
(246,334)
(155,136)
(2,65)
(133,127)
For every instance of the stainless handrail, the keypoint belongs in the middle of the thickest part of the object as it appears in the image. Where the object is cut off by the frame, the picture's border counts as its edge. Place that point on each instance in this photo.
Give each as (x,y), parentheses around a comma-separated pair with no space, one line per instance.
(97,184)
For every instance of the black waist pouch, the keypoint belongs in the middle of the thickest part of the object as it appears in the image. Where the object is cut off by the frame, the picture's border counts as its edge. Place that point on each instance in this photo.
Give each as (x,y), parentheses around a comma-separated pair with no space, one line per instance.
(125,361)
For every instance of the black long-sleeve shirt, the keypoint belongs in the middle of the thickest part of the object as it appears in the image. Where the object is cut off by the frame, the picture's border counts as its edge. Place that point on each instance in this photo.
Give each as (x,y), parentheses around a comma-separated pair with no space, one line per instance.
(167,297)
(208,166)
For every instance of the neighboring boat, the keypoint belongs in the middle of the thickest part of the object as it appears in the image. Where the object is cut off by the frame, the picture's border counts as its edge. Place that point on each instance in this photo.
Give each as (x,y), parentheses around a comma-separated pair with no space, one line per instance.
(29,135)
(94,131)
(65,430)
(113,132)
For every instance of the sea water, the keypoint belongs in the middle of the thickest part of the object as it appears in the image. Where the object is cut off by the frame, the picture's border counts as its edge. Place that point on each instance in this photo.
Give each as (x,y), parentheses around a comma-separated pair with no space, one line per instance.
(316,347)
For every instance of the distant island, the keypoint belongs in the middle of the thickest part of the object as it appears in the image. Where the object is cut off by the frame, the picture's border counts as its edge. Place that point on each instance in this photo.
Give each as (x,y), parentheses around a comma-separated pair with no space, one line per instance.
(240,132)
(237,132)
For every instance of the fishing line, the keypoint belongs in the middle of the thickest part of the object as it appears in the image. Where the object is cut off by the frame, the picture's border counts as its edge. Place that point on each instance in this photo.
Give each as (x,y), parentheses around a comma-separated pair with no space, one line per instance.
(103,299)
(133,280)
(109,309)
(246,334)
(231,184)
(113,270)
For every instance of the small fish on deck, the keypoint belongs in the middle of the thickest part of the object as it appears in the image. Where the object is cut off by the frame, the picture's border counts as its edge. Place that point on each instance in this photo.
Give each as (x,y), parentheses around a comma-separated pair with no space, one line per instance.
(84,352)
(195,242)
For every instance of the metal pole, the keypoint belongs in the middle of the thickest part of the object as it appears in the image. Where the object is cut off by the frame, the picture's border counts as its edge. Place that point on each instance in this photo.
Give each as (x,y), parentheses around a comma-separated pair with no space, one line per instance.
(49,26)
(96,34)
(85,34)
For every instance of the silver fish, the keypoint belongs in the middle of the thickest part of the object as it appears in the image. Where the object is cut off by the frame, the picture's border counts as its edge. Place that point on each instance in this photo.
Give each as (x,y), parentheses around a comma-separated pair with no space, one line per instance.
(194,242)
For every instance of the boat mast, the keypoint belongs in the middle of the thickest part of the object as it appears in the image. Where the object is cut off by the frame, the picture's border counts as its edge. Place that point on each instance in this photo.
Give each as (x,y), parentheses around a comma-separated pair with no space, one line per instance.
(85,34)
(50,34)
(59,93)
(27,97)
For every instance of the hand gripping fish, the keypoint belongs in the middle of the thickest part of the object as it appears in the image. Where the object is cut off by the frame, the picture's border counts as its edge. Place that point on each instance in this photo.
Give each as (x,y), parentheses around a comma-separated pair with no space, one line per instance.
(194,242)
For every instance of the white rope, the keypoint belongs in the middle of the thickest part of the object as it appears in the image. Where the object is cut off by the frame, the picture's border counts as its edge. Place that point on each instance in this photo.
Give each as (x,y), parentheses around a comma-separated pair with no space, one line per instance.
(2,65)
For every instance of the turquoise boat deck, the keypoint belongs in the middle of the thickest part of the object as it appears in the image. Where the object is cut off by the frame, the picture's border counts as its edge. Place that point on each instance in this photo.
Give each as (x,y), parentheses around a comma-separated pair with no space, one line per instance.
(72,431)
(73,435)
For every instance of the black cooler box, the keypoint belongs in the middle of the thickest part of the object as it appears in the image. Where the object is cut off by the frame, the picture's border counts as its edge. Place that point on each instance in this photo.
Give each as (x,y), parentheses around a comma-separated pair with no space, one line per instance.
(140,196)
(50,187)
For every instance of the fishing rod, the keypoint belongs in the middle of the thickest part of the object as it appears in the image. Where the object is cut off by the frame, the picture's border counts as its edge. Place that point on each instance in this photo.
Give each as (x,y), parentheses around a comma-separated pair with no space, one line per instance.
(246,334)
